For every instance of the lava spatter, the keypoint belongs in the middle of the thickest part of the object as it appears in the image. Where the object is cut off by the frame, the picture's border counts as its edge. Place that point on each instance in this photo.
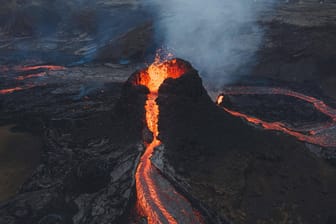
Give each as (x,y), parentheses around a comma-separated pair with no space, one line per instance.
(157,199)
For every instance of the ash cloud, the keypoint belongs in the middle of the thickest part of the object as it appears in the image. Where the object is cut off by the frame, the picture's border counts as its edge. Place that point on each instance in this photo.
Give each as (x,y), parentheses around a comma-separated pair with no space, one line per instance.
(219,37)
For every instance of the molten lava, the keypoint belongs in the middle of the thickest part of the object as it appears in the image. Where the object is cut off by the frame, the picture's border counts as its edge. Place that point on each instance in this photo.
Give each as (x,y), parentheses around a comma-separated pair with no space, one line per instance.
(158,72)
(151,198)
(322,135)
(29,76)
(10,90)
(14,89)
(37,67)
(34,72)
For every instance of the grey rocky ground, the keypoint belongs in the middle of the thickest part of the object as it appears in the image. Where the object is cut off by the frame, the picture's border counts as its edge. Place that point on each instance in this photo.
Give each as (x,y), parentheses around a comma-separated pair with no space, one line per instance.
(299,44)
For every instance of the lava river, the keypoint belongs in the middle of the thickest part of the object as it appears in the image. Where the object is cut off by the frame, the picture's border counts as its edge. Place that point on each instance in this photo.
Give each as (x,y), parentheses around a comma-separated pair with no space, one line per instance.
(157,199)
(323,134)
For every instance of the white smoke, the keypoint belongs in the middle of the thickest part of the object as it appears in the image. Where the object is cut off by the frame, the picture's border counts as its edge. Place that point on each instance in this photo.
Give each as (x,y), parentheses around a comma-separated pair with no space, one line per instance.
(219,37)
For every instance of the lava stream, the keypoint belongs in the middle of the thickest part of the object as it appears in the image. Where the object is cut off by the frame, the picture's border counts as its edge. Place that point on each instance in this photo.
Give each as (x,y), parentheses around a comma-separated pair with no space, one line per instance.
(14,89)
(37,67)
(34,72)
(157,198)
(323,135)
(23,77)
(251,90)
(40,71)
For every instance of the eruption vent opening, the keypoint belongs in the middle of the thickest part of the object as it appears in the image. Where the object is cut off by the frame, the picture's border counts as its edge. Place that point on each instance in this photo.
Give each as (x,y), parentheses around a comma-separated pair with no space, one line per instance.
(159,71)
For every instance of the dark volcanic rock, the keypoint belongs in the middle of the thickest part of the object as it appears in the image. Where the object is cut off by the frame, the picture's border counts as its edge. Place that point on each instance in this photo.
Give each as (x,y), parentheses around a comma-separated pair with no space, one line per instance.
(276,108)
(91,148)
(73,32)
(246,174)
(300,44)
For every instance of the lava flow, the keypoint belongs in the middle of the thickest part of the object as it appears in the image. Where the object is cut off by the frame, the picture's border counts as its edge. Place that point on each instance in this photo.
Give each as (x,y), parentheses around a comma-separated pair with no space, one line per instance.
(37,67)
(323,135)
(157,199)
(23,77)
(36,71)
(10,90)
(33,72)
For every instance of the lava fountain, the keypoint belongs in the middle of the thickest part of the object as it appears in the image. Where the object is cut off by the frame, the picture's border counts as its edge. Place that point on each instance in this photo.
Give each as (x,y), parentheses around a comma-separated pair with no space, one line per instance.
(157,199)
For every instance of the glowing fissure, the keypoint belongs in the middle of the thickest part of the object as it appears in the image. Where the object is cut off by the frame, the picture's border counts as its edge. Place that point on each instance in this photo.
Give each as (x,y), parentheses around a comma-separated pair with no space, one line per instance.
(323,135)
(151,197)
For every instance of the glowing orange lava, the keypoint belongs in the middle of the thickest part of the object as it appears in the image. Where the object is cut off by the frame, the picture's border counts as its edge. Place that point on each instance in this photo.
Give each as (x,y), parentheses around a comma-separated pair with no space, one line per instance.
(14,89)
(157,72)
(149,200)
(23,77)
(23,69)
(250,90)
(315,136)
(220,99)
(36,67)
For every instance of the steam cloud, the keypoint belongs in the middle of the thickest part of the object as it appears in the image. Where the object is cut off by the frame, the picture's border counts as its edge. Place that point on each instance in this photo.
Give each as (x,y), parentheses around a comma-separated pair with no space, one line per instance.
(219,37)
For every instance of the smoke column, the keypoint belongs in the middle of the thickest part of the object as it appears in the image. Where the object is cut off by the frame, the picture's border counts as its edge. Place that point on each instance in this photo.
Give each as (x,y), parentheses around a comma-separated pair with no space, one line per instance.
(219,37)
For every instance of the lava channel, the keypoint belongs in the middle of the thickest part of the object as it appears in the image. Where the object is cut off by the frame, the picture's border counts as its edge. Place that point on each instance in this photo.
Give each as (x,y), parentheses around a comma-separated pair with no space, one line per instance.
(321,134)
(157,199)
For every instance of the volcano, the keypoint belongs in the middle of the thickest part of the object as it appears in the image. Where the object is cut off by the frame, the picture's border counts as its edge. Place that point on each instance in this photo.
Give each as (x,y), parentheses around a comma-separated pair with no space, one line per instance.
(157,149)
(245,173)
(219,163)
(157,200)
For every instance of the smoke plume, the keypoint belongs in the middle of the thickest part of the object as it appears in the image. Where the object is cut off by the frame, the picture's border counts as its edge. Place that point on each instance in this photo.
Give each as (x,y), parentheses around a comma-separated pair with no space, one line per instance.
(219,37)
